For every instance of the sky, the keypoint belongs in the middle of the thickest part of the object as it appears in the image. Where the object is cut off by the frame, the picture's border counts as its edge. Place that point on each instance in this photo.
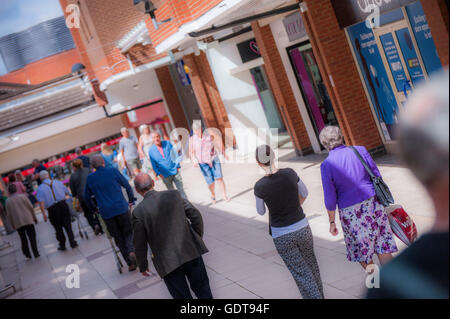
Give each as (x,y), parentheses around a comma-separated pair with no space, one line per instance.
(18,15)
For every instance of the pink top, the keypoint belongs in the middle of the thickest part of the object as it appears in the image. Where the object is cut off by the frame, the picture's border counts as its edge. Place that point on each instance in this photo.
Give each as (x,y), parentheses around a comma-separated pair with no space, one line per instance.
(20,187)
(203,149)
(161,150)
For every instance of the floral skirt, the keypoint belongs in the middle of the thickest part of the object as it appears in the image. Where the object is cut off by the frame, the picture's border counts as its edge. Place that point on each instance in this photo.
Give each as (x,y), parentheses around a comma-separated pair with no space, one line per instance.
(367,231)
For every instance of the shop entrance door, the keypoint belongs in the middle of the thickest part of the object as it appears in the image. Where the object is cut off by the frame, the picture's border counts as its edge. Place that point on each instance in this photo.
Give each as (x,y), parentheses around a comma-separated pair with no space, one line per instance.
(400,55)
(313,89)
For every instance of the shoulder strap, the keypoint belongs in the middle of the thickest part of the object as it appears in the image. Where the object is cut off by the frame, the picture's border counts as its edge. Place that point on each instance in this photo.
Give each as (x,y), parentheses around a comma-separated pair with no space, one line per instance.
(363,162)
(51,187)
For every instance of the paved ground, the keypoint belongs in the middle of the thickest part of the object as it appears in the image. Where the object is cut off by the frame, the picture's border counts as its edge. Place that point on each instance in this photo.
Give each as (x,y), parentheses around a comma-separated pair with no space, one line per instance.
(242,262)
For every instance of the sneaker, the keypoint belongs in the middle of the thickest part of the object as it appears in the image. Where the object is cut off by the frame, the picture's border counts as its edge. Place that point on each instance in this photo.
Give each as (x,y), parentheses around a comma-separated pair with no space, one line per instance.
(74,245)
(61,248)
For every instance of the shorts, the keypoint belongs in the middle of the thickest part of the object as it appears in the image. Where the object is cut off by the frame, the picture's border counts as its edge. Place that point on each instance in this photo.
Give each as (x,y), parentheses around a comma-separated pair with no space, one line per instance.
(213,173)
(134,164)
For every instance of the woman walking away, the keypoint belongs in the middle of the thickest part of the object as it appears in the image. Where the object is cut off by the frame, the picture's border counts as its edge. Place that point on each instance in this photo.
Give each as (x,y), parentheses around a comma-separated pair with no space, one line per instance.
(347,184)
(20,214)
(19,185)
(145,142)
(28,183)
(109,156)
(204,154)
(284,193)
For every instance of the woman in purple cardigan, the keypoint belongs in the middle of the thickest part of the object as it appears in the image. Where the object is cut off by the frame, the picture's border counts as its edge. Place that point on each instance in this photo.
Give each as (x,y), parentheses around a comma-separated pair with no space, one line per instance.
(347,184)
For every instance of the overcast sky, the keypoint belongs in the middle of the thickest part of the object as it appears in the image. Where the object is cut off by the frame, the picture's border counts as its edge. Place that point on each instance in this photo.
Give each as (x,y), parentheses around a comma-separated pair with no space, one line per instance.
(18,15)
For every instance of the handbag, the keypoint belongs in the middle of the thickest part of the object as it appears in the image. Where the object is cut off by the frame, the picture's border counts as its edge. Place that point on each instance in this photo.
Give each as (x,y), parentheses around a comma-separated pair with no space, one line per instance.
(402,225)
(382,191)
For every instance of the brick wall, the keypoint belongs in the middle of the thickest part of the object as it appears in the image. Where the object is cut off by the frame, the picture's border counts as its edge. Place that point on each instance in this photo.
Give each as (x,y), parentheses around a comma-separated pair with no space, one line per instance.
(54,66)
(436,12)
(207,94)
(281,88)
(171,97)
(346,90)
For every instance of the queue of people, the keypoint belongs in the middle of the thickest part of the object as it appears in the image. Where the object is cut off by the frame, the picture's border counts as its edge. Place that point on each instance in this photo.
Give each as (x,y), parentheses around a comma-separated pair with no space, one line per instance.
(173,228)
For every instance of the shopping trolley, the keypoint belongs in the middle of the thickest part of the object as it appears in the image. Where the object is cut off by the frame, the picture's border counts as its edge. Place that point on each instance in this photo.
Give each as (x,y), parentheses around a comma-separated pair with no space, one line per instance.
(76,215)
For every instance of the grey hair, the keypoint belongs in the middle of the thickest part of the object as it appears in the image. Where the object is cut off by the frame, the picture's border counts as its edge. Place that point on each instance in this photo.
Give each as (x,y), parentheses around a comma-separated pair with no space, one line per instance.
(123,129)
(197,124)
(143,182)
(331,137)
(78,150)
(97,161)
(43,175)
(424,130)
(142,128)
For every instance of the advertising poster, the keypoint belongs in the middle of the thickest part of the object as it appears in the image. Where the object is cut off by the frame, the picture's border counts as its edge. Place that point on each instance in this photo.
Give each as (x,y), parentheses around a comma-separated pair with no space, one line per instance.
(424,38)
(410,56)
(375,77)
(393,57)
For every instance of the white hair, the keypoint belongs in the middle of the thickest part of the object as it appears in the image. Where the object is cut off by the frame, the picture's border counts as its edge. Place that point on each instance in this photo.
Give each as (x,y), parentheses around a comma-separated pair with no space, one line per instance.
(142,128)
(43,175)
(331,137)
(424,129)
(123,129)
(197,124)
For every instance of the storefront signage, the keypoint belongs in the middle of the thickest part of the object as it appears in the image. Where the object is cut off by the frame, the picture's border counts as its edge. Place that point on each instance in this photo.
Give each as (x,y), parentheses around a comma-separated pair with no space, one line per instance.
(249,50)
(375,77)
(393,57)
(410,55)
(294,26)
(349,12)
(423,37)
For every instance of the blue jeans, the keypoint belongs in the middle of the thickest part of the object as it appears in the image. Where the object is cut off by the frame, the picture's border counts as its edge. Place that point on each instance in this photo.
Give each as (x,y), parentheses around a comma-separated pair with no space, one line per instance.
(213,173)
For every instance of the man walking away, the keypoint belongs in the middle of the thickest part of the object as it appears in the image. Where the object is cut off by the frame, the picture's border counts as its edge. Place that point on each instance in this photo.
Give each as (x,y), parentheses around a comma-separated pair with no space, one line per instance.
(129,149)
(20,213)
(105,184)
(174,229)
(86,161)
(51,195)
(166,163)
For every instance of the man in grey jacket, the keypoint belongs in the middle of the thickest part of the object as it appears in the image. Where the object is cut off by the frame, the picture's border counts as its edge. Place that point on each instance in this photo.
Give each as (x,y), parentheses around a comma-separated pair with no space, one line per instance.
(173,228)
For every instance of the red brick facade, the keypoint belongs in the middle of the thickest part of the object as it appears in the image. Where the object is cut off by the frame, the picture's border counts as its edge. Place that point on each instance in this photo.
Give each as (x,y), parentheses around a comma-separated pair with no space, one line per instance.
(281,88)
(341,75)
(171,97)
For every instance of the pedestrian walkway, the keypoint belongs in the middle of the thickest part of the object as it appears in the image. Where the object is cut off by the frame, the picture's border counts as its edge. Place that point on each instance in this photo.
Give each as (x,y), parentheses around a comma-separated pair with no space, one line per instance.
(242,262)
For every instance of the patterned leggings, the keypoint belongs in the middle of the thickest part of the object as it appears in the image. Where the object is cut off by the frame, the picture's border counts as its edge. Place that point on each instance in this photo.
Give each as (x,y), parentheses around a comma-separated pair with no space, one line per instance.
(297,251)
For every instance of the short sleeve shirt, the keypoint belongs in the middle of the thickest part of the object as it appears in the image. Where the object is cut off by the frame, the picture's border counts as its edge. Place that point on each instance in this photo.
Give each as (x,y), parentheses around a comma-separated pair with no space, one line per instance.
(128,145)
(281,195)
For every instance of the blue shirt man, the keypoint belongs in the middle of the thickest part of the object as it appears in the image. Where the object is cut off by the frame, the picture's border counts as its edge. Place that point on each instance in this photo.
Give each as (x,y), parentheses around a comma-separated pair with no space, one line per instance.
(84,159)
(106,185)
(166,163)
(45,195)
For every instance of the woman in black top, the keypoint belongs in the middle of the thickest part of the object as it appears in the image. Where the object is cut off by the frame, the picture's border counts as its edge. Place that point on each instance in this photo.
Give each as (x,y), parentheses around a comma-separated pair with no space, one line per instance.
(284,192)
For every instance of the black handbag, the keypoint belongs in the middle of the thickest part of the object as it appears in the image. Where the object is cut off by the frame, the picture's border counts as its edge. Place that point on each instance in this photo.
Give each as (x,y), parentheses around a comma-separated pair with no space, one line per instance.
(382,191)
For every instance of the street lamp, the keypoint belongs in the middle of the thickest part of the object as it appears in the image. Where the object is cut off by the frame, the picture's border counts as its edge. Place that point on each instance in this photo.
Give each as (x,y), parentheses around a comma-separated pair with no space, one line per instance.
(148,7)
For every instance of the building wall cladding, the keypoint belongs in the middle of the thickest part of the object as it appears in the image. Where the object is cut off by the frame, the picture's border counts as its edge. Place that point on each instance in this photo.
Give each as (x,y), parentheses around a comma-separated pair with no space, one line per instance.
(171,97)
(436,12)
(281,88)
(346,89)
(55,66)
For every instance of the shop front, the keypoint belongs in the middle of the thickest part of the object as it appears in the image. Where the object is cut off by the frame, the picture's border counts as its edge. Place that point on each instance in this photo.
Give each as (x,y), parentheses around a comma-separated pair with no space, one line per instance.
(394,54)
